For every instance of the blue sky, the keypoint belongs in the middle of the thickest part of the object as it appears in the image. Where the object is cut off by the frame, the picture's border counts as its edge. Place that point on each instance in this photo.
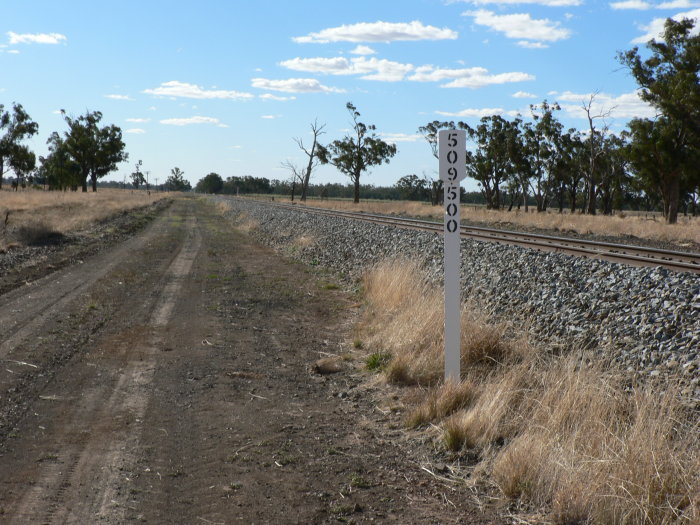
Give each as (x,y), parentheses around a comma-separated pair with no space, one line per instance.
(225,86)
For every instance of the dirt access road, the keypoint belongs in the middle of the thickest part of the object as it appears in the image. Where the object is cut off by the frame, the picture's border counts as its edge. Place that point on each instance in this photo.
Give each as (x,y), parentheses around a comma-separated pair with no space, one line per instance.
(169,380)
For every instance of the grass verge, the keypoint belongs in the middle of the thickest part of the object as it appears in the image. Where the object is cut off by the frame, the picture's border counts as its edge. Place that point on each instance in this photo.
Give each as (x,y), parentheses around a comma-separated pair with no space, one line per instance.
(39,217)
(558,432)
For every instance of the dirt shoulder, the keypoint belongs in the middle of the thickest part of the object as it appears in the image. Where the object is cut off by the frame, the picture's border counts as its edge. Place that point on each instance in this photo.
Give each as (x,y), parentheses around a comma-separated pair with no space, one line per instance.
(176,385)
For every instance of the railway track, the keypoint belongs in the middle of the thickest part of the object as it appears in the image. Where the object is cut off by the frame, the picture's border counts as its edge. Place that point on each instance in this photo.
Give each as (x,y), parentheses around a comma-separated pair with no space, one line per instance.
(619,253)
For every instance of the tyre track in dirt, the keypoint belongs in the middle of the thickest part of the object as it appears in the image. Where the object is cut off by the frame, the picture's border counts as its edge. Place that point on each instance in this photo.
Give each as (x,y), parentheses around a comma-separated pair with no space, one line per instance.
(25,310)
(76,481)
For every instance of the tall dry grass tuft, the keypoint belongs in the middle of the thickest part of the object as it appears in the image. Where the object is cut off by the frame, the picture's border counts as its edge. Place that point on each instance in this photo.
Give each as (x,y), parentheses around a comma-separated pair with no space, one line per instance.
(247,224)
(551,430)
(443,401)
(408,316)
(224,207)
(593,452)
(304,241)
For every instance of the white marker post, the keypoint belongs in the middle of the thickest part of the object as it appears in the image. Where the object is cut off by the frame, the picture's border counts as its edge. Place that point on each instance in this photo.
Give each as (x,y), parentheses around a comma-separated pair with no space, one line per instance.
(452,147)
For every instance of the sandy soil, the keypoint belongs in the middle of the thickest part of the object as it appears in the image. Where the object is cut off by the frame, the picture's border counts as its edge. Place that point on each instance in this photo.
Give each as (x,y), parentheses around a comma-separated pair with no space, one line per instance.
(170,379)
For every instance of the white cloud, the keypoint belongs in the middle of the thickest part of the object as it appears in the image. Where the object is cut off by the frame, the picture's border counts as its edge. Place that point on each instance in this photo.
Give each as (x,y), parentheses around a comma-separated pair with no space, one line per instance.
(532,45)
(36,38)
(678,4)
(270,96)
(136,131)
(523,94)
(520,25)
(138,120)
(546,3)
(475,112)
(369,68)
(294,85)
(13,52)
(363,50)
(631,4)
(333,66)
(393,138)
(378,32)
(474,77)
(175,88)
(192,120)
(627,105)
(655,28)
(270,117)
(383,70)
(119,97)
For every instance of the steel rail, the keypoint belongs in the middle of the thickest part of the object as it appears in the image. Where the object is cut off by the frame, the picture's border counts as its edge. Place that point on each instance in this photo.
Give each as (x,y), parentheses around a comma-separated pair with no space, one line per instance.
(622,253)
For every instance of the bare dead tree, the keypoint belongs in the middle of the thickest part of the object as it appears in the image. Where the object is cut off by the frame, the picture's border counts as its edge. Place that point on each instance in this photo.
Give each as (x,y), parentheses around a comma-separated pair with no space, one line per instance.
(311,153)
(595,141)
(297,175)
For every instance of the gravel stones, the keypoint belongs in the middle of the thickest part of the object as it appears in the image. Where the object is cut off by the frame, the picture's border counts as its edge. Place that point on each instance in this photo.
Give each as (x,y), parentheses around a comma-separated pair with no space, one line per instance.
(645,319)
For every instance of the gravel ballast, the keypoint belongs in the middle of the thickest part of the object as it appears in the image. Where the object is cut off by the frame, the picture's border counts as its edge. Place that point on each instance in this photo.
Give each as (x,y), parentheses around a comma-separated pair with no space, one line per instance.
(647,320)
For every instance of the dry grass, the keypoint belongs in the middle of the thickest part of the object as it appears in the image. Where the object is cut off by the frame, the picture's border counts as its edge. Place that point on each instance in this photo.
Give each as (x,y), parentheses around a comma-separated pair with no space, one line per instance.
(549,430)
(410,314)
(224,207)
(442,401)
(304,241)
(247,224)
(34,211)
(591,451)
(620,225)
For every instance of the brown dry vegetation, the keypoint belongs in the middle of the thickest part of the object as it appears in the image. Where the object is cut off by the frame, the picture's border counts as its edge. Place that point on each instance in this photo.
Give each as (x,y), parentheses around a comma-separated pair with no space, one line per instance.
(36,212)
(558,432)
(624,224)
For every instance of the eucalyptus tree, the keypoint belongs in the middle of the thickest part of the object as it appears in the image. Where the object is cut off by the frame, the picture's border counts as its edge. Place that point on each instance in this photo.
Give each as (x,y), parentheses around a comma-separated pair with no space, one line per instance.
(96,150)
(595,142)
(297,175)
(490,163)
(670,81)
(412,187)
(176,180)
(58,169)
(541,144)
(660,159)
(312,154)
(571,168)
(23,164)
(518,184)
(614,173)
(210,183)
(669,78)
(15,127)
(430,133)
(137,177)
(356,152)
